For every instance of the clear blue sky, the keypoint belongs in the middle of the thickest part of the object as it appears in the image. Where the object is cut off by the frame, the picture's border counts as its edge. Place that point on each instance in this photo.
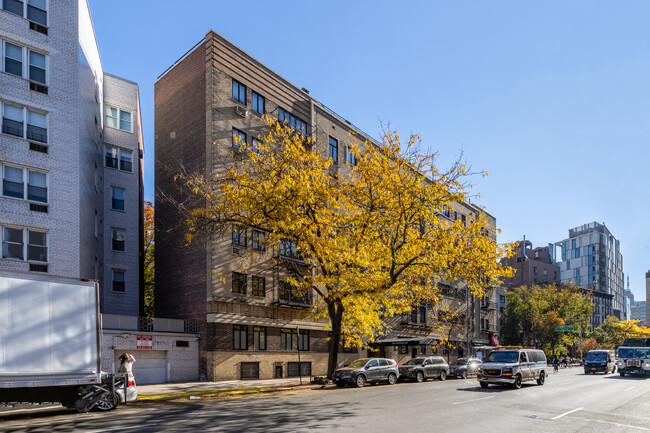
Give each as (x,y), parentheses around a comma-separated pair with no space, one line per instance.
(551,98)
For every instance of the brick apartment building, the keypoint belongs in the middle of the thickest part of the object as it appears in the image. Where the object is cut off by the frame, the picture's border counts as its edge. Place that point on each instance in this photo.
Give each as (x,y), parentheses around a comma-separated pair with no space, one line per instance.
(250,324)
(532,266)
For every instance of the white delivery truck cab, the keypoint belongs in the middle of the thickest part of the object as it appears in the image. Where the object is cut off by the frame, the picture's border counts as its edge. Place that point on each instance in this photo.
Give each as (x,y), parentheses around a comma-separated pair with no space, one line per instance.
(50,336)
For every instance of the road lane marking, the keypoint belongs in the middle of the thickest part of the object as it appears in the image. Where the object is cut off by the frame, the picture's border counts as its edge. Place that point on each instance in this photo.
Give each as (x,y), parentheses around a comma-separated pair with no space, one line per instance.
(566,413)
(476,399)
(632,387)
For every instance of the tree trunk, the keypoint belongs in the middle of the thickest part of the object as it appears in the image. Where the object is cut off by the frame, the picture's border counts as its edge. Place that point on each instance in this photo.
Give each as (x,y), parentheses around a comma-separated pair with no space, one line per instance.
(335,311)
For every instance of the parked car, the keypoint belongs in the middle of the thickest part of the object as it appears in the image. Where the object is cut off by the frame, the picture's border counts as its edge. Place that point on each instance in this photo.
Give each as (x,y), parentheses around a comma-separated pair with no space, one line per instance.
(107,402)
(513,366)
(421,369)
(364,370)
(464,367)
(603,361)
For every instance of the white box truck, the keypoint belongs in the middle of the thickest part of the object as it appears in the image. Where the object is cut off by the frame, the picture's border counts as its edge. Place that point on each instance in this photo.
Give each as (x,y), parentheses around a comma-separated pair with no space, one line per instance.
(50,342)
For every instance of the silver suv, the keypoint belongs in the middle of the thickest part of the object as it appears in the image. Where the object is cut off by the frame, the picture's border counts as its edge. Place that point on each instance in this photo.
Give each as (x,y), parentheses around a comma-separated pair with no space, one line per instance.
(364,370)
(513,367)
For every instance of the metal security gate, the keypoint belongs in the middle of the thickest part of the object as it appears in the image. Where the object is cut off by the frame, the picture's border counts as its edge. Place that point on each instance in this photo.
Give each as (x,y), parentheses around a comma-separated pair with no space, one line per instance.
(250,370)
(295,369)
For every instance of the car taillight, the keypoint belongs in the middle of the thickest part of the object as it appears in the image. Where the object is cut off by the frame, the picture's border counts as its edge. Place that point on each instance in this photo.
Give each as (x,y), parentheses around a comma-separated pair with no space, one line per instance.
(130,383)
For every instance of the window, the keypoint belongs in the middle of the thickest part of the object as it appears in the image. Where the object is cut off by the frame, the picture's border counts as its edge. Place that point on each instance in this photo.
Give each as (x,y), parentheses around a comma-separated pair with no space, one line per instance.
(502,299)
(118,119)
(118,281)
(36,67)
(351,159)
(12,244)
(117,198)
(118,158)
(256,145)
(289,119)
(36,9)
(545,272)
(288,339)
(13,59)
(303,340)
(423,314)
(13,184)
(257,240)
(259,338)
(240,337)
(239,236)
(535,270)
(288,248)
(334,150)
(423,349)
(239,92)
(18,243)
(15,117)
(239,283)
(259,286)
(259,103)
(250,370)
(238,137)
(117,237)
(555,274)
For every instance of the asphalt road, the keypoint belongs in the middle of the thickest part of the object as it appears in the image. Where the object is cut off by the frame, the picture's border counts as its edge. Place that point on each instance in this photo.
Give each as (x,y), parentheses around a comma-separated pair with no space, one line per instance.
(569,402)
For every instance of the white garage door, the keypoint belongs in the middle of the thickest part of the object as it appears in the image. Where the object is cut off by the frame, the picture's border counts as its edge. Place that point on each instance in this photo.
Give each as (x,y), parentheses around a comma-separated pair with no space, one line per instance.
(150,366)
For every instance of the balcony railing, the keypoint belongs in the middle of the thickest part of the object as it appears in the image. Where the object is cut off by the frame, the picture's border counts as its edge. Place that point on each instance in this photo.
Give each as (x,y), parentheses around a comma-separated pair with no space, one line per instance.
(287,296)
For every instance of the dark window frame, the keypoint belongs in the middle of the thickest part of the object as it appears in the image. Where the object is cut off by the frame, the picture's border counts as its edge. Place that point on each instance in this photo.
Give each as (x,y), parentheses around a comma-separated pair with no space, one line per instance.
(257,240)
(239,283)
(258,289)
(118,286)
(259,338)
(334,149)
(240,337)
(256,99)
(242,135)
(239,237)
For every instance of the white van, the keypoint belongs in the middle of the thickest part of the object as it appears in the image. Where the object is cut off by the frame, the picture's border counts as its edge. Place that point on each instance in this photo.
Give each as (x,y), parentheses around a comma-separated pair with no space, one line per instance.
(512,367)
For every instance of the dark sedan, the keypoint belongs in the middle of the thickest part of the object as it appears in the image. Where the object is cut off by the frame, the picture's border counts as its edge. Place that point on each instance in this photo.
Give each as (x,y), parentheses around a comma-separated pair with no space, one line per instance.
(421,369)
(464,367)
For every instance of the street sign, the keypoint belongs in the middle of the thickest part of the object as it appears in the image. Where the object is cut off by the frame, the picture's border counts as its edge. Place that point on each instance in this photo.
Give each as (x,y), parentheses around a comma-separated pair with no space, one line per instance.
(565,328)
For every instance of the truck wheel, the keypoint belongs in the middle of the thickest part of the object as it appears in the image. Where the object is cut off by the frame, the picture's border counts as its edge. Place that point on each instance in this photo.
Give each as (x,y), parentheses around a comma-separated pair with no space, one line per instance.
(360,381)
(542,376)
(464,375)
(484,385)
(107,402)
(517,383)
(622,373)
(419,377)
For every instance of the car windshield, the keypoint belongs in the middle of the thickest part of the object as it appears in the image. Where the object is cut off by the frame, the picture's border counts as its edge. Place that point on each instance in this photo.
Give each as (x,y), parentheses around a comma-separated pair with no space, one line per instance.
(626,353)
(597,356)
(503,356)
(358,363)
(414,361)
(460,361)
(643,353)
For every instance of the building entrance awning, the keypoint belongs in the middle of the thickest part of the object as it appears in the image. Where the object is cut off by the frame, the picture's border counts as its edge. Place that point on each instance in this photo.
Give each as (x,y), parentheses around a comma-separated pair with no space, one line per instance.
(407,341)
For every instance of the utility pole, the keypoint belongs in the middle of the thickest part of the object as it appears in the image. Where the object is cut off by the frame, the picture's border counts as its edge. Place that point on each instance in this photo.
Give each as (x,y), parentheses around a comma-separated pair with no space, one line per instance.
(299,363)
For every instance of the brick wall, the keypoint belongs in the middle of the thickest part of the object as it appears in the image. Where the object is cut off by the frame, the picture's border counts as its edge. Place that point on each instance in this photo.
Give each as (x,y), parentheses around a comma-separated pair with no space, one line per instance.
(180,104)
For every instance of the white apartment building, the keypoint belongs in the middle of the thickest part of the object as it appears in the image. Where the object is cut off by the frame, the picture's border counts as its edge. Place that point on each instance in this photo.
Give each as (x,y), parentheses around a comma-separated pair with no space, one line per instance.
(70,154)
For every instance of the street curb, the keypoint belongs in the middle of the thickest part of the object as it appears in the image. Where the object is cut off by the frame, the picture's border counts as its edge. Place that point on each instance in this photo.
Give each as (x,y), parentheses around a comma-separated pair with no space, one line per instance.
(185,395)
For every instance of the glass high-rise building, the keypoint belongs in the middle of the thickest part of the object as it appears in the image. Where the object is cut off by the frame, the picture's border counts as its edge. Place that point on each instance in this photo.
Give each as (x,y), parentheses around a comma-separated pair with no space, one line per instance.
(591,258)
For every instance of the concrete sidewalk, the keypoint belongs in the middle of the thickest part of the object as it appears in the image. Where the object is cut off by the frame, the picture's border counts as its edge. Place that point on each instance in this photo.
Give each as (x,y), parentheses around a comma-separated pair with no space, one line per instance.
(168,388)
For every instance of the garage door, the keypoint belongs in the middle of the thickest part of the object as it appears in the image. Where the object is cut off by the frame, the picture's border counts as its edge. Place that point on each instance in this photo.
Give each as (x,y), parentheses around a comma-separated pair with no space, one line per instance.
(150,366)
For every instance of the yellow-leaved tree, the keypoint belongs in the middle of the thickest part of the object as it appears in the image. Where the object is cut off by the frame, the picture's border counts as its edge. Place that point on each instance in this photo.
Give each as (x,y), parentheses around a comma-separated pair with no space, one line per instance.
(149,263)
(372,242)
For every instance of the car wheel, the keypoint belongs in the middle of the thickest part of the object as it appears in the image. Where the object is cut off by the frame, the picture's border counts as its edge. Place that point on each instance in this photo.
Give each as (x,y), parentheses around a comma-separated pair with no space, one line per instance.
(419,377)
(392,379)
(541,379)
(360,381)
(622,373)
(484,385)
(109,401)
(517,383)
(443,375)
(464,374)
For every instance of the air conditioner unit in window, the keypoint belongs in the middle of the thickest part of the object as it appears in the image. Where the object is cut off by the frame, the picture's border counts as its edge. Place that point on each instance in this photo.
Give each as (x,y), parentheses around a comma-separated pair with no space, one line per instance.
(242,111)
(38,87)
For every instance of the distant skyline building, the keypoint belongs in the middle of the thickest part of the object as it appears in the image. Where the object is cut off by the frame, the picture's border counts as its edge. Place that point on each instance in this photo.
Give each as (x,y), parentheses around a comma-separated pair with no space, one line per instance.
(532,266)
(628,301)
(591,258)
(638,311)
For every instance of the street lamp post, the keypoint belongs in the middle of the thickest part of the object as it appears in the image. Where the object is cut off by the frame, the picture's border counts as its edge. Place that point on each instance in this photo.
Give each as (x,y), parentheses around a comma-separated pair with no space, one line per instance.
(299,363)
